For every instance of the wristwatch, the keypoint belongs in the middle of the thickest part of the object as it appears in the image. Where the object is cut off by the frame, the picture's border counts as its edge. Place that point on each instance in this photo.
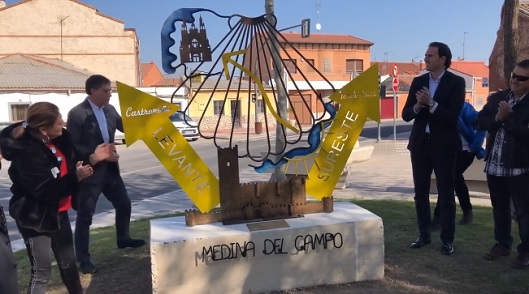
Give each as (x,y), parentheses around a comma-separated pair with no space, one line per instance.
(432,103)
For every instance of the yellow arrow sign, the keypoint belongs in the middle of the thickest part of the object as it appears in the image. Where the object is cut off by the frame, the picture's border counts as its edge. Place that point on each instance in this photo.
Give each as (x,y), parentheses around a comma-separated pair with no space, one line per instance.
(358,101)
(146,118)
(226,58)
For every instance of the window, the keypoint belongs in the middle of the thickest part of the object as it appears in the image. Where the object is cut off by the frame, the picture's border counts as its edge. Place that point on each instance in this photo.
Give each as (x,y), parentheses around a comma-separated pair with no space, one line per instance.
(18,111)
(218,107)
(290,65)
(327,65)
(354,67)
(309,63)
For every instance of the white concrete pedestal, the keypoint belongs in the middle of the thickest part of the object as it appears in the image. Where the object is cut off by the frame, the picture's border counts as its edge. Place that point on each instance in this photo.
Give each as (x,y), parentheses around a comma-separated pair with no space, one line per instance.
(325,248)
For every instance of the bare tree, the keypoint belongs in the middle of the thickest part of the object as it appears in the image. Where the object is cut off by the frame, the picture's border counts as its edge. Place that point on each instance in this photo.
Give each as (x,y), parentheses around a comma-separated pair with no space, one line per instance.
(510,36)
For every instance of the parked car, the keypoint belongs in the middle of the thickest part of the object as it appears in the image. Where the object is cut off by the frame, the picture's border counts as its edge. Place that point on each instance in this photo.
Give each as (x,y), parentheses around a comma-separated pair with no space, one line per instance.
(119,137)
(187,127)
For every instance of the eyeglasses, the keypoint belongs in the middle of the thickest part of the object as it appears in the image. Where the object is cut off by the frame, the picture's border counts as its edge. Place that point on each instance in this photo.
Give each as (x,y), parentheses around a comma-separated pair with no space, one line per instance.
(519,78)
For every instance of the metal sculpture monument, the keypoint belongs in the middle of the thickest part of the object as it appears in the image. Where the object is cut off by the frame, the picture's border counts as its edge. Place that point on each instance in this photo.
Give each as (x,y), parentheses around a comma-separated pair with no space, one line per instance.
(241,61)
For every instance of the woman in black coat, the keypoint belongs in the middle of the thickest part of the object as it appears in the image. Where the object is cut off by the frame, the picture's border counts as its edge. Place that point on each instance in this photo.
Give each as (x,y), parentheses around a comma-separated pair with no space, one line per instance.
(45,172)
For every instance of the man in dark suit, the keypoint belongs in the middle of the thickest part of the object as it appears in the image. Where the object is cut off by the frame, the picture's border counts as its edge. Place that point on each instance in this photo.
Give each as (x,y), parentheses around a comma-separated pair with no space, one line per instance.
(434,102)
(92,125)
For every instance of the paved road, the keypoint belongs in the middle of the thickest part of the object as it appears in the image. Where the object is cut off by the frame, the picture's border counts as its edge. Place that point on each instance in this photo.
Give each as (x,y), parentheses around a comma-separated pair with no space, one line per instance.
(387,129)
(146,178)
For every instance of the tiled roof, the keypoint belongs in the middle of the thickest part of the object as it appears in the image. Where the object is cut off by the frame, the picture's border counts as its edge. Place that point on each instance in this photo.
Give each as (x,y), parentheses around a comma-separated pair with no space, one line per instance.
(20,72)
(404,82)
(473,68)
(151,76)
(404,68)
(168,82)
(325,39)
(146,67)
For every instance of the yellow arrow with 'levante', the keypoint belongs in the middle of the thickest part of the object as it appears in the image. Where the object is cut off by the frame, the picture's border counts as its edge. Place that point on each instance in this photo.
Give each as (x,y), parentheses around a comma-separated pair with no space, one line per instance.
(146,118)
(358,101)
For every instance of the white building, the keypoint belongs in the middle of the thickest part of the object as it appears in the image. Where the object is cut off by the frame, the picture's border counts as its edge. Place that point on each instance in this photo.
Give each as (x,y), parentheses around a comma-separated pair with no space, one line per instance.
(29,79)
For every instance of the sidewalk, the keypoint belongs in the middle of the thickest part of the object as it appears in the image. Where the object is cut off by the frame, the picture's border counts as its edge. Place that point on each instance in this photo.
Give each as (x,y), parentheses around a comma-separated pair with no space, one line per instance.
(386,176)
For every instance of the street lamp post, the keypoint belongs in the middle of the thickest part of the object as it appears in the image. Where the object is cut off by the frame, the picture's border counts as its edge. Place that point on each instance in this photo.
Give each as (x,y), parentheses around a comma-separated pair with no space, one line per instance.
(279,172)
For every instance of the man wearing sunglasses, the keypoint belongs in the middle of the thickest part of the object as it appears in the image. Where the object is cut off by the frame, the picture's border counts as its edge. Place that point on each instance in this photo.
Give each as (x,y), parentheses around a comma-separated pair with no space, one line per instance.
(505,117)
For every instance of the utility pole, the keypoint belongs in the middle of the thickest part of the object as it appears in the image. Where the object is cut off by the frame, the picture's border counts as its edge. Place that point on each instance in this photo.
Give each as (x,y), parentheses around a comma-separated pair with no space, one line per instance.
(279,172)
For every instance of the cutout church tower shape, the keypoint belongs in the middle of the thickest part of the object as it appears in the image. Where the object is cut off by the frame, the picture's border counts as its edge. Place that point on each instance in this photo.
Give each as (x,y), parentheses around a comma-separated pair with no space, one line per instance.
(194,46)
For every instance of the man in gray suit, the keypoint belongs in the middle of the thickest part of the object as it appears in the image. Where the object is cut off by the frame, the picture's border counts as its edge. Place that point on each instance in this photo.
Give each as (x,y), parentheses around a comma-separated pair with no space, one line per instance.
(92,125)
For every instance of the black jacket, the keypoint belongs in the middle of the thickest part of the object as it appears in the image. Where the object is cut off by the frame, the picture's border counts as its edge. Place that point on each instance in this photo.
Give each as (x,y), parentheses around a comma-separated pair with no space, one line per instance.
(36,191)
(444,132)
(515,151)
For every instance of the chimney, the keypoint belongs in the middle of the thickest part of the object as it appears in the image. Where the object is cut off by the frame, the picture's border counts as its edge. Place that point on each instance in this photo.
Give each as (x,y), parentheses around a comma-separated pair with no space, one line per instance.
(2,3)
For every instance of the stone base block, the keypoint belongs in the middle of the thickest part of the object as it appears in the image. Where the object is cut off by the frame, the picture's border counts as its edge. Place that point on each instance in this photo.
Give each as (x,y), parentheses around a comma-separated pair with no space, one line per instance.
(325,248)
(360,154)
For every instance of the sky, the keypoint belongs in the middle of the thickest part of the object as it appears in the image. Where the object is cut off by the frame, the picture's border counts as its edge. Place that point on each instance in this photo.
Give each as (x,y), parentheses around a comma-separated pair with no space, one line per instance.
(399,29)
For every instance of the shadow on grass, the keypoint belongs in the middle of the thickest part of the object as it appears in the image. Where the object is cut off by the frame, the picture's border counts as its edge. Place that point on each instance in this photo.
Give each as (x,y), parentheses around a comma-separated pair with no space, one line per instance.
(406,271)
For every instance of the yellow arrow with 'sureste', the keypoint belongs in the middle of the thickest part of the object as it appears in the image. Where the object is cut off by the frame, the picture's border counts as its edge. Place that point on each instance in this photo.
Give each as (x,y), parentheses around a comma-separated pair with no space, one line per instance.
(358,100)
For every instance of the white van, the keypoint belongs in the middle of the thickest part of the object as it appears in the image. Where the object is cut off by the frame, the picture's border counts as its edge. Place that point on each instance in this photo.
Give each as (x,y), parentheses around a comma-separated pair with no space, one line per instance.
(185,125)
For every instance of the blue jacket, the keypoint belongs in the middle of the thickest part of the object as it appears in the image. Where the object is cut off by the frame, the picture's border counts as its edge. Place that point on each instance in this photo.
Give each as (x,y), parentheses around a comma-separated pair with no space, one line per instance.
(467,119)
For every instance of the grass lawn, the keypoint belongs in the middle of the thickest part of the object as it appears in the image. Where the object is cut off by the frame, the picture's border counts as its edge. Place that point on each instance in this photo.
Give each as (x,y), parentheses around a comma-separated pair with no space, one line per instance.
(406,271)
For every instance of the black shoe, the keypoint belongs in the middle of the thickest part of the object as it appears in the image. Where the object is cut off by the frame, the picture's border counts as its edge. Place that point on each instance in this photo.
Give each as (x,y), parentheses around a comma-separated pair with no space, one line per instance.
(467,218)
(497,251)
(132,243)
(434,226)
(420,242)
(447,249)
(87,268)
(521,261)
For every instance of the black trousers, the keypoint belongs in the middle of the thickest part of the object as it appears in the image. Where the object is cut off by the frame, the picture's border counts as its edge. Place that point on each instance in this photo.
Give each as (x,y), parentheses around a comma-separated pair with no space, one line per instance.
(423,162)
(502,190)
(114,190)
(61,243)
(463,161)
